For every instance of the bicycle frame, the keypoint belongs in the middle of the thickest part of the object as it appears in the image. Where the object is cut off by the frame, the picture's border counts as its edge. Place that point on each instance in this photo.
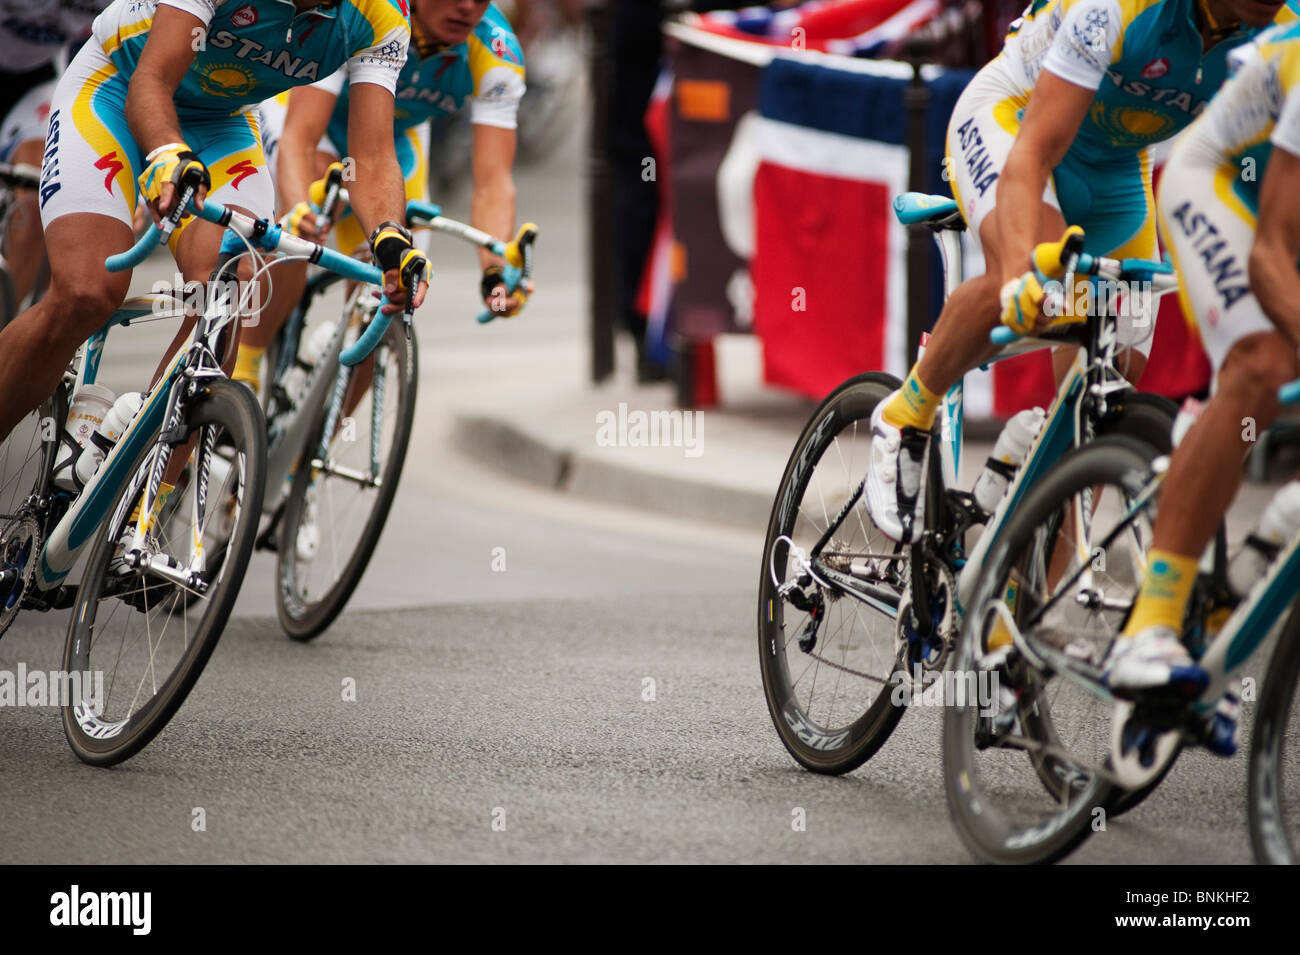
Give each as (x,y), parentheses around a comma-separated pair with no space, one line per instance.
(1064,428)
(164,402)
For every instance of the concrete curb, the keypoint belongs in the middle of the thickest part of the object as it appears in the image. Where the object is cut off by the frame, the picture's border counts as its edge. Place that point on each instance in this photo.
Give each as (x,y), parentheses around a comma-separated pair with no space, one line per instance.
(506,447)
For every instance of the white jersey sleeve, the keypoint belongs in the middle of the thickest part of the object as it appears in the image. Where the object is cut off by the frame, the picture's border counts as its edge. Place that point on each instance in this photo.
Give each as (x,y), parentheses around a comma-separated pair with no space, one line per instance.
(496,98)
(205,10)
(1286,133)
(382,63)
(332,83)
(1084,46)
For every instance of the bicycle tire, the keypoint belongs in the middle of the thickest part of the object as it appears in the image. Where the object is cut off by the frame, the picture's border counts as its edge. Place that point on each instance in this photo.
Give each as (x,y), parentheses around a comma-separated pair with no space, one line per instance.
(302,620)
(821,749)
(1115,461)
(232,407)
(1266,796)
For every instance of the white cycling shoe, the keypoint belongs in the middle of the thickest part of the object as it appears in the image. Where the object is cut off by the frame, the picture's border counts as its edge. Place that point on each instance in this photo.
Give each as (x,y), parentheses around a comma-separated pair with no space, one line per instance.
(894,491)
(1153,659)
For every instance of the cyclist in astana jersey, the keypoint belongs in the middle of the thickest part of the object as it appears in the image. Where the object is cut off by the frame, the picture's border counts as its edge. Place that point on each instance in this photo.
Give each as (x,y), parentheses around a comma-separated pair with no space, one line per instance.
(163,88)
(463,53)
(33,35)
(1055,131)
(1230,214)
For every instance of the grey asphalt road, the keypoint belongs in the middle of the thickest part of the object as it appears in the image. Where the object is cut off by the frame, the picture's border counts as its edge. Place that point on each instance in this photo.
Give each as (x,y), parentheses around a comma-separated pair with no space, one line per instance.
(502,716)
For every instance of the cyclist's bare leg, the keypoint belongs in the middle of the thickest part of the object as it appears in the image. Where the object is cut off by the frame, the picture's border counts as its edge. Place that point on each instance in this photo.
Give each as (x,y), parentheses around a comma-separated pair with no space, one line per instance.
(287,282)
(1196,496)
(197,253)
(24,237)
(36,347)
(960,340)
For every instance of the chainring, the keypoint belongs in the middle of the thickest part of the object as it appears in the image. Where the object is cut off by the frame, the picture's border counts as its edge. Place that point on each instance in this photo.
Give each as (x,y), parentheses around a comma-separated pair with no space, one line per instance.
(21,541)
(912,646)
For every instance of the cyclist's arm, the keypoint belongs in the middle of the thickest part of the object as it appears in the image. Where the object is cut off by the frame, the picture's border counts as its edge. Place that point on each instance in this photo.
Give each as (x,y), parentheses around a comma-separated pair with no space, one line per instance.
(1052,119)
(150,112)
(492,207)
(379,194)
(307,117)
(1276,250)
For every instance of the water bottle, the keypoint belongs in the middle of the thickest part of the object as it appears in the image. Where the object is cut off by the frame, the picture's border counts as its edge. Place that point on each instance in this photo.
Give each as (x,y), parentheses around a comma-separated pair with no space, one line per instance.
(86,412)
(1008,454)
(1277,525)
(110,429)
(314,344)
(311,348)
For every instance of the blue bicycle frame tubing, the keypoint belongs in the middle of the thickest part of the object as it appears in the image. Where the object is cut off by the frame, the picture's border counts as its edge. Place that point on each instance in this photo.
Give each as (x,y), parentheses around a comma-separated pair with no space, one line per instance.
(1056,437)
(90,509)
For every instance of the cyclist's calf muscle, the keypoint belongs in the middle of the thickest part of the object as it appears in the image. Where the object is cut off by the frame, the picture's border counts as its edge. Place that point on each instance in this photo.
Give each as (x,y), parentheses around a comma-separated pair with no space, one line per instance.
(36,347)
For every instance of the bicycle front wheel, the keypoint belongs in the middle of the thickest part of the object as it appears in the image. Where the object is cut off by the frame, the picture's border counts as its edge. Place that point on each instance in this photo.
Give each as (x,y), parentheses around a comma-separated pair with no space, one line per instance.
(339,501)
(1273,789)
(136,650)
(1064,573)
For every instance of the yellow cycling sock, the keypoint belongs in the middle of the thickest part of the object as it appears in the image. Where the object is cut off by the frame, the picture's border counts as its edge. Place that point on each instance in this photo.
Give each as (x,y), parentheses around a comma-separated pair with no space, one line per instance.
(248,365)
(1162,601)
(1000,636)
(164,490)
(915,405)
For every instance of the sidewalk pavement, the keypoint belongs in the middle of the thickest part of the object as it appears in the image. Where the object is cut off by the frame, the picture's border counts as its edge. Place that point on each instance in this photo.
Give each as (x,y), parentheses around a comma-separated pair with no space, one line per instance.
(551,427)
(555,429)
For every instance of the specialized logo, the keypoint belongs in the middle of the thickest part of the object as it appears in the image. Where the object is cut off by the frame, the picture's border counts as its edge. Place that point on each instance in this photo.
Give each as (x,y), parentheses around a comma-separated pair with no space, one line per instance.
(501,48)
(245,16)
(241,171)
(111,166)
(979,164)
(447,60)
(1156,68)
(1230,280)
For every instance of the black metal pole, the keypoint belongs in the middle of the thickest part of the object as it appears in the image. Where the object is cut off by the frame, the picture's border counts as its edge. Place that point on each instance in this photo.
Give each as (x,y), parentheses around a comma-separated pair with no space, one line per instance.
(600,216)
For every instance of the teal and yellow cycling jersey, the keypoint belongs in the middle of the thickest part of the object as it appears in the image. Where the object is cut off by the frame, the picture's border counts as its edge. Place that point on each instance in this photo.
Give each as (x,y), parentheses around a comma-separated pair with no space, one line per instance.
(487,71)
(250,50)
(1145,59)
(1258,109)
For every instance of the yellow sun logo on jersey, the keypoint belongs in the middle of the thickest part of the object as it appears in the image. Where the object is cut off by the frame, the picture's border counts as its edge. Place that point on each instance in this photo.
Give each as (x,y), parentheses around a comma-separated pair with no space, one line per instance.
(227,79)
(1127,126)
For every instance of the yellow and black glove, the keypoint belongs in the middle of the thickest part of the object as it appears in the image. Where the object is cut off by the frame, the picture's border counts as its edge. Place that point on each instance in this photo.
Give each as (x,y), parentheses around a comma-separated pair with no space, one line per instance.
(1022,298)
(391,246)
(495,285)
(169,163)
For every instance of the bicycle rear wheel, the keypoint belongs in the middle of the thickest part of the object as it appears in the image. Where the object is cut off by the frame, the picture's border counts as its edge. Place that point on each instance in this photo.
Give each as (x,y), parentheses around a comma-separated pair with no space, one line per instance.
(1033,795)
(1273,787)
(139,652)
(830,697)
(338,504)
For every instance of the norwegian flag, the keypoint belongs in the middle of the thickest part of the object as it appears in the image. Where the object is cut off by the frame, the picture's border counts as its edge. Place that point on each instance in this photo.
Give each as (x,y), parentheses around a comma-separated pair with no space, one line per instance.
(830,284)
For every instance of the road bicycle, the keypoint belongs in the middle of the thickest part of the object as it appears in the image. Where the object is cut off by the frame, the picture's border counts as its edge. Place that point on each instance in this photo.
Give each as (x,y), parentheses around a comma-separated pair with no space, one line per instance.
(851,623)
(338,431)
(140,570)
(1061,625)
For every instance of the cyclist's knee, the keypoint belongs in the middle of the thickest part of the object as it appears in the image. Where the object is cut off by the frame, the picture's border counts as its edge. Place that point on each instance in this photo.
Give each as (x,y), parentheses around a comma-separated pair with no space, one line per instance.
(1254,370)
(75,311)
